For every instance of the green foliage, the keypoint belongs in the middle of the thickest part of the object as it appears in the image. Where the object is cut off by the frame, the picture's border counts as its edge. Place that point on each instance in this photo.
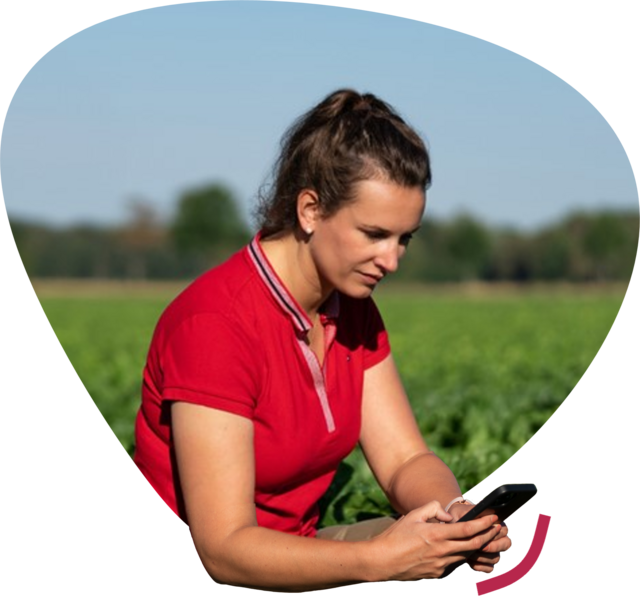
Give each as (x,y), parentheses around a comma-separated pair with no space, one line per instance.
(468,244)
(596,246)
(208,222)
(483,375)
(207,229)
(552,255)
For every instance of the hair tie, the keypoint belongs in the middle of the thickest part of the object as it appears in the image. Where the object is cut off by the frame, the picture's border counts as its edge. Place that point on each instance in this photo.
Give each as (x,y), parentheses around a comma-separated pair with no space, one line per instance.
(460,499)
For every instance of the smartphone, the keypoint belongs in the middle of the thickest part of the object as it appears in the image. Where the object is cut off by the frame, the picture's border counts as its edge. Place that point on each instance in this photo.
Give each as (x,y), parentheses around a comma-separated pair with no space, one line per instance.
(503,501)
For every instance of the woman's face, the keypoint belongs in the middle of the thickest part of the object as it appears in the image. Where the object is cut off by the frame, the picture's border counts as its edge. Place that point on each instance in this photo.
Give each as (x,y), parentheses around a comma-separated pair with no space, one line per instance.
(362,242)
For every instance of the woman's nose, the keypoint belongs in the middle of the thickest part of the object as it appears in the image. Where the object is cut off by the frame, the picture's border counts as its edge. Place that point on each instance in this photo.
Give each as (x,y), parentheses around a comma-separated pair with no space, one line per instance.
(388,257)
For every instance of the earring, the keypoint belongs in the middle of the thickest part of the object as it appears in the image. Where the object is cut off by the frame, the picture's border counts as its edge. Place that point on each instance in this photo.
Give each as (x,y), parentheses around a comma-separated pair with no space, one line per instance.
(308,230)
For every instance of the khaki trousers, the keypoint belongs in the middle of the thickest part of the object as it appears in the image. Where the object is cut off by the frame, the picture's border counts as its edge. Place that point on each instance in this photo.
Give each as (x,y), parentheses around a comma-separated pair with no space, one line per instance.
(356,532)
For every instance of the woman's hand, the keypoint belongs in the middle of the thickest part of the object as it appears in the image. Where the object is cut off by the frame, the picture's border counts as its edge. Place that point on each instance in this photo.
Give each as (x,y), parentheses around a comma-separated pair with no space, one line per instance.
(412,548)
(485,559)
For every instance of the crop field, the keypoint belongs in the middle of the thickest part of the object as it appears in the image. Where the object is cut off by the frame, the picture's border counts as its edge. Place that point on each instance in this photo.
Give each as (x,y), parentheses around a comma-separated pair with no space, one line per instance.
(483,371)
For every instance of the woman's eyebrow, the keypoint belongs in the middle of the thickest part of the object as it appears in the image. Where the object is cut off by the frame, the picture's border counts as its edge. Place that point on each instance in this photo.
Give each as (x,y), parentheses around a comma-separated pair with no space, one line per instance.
(386,232)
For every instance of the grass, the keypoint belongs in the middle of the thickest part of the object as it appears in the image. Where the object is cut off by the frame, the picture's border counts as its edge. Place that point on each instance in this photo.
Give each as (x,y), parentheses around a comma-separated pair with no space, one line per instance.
(483,370)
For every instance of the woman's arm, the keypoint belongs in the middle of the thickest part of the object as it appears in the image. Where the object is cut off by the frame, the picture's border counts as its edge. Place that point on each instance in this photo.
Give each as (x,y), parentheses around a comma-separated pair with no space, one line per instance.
(215,458)
(214,451)
(408,472)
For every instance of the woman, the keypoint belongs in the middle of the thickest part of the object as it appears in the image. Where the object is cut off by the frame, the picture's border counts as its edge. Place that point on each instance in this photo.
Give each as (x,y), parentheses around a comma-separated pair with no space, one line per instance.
(265,373)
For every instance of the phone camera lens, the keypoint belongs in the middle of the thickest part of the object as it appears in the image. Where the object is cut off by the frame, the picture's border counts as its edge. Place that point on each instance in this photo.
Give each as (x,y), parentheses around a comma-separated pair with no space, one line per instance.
(502,500)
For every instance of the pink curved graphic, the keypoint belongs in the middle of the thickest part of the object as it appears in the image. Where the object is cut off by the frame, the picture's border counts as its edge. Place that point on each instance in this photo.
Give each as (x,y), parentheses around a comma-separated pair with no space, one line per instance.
(524,566)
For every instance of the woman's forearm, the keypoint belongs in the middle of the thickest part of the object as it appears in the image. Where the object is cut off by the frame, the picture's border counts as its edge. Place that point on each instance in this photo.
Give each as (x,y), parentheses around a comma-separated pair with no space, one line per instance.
(258,557)
(263,558)
(422,479)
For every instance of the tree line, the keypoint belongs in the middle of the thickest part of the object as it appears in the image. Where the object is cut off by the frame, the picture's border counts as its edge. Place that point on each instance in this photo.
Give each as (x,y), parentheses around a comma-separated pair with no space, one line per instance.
(207,227)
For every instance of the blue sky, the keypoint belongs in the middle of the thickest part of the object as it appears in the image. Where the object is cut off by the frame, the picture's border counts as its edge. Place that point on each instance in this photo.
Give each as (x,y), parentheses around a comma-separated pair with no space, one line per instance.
(149,104)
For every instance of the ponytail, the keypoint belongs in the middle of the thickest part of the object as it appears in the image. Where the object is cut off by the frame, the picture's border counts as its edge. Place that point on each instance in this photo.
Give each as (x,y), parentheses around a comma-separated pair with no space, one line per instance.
(345,139)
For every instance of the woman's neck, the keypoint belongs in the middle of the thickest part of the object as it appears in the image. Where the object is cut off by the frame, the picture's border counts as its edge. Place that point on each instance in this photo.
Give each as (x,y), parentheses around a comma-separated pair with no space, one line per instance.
(290,258)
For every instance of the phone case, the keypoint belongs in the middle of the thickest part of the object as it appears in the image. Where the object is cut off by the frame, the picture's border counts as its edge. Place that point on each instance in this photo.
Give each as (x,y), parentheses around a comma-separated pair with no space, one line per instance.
(502,501)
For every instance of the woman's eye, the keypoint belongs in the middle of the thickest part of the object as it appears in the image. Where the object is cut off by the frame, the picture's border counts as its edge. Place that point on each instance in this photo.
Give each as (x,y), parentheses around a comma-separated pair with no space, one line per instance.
(379,235)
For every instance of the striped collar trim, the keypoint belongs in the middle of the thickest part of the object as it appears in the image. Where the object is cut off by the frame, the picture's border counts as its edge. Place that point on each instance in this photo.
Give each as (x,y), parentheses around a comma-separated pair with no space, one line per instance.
(278,290)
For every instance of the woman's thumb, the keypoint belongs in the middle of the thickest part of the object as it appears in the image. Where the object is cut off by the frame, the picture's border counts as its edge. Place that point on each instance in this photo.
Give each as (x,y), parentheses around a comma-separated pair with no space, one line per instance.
(433,510)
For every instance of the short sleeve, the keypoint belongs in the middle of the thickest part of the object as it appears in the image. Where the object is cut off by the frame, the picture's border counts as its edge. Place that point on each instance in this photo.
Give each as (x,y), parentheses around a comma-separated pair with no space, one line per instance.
(208,360)
(376,340)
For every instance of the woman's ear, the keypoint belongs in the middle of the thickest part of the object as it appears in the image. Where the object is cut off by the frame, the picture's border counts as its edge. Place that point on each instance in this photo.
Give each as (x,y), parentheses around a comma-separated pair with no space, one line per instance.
(308,210)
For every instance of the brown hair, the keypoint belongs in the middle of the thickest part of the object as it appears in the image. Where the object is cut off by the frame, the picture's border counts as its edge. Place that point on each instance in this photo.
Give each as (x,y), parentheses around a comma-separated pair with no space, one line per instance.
(346,138)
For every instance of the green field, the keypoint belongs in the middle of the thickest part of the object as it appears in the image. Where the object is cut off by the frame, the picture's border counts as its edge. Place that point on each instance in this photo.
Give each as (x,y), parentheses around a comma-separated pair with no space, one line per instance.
(483,372)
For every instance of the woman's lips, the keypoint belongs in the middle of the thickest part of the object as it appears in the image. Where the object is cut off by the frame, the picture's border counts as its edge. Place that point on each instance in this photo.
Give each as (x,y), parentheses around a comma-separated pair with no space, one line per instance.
(371,279)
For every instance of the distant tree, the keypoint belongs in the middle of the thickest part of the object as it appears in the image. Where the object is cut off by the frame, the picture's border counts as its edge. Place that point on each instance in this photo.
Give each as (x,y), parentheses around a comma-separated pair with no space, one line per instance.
(208,223)
(23,234)
(511,257)
(468,243)
(604,239)
(602,244)
(551,254)
(437,264)
(142,236)
(33,243)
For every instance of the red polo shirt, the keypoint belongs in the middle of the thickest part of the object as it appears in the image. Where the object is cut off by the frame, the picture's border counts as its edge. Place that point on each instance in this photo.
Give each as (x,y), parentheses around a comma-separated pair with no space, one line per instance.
(234,340)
